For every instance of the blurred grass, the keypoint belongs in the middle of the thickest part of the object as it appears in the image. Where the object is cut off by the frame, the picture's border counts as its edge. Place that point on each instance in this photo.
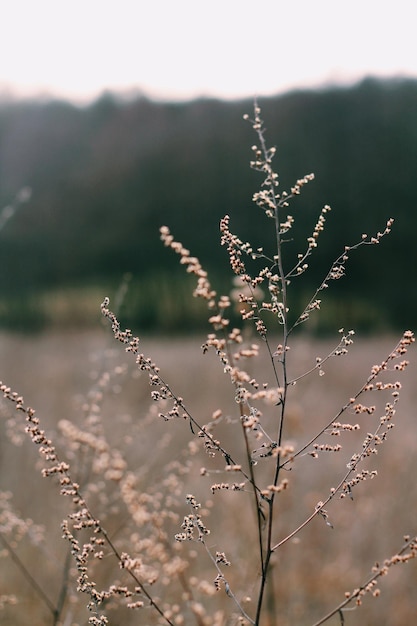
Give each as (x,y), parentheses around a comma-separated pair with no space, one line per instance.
(55,371)
(162,302)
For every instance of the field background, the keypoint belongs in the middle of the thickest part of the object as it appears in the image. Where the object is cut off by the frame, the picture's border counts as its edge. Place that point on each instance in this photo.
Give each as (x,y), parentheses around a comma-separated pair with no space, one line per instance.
(83,193)
(57,372)
(105,177)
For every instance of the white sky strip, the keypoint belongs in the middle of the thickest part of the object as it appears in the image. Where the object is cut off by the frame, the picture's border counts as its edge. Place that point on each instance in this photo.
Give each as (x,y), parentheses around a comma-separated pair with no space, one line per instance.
(186,48)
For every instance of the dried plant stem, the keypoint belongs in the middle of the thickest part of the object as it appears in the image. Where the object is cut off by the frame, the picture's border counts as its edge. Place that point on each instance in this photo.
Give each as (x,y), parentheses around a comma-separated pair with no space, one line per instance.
(259,516)
(64,587)
(31,580)
(258,510)
(365,387)
(72,489)
(334,491)
(274,207)
(378,571)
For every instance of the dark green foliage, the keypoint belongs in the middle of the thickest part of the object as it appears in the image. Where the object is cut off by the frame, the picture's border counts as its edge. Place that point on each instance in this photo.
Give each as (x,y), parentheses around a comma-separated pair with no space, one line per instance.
(106,177)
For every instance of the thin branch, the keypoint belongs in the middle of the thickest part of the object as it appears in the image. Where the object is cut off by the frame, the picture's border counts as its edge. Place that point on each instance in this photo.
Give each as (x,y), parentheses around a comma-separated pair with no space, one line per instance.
(378,572)
(22,567)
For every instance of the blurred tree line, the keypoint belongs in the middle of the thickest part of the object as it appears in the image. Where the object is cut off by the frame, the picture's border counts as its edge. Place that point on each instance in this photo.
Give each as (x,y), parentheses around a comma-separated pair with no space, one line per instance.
(105,177)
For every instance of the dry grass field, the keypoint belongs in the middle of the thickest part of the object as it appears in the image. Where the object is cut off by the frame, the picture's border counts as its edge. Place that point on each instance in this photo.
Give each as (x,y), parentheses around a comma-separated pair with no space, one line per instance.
(87,380)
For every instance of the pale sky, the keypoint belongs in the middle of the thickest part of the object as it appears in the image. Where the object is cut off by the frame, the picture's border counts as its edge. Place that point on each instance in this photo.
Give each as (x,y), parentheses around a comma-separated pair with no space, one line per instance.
(180,49)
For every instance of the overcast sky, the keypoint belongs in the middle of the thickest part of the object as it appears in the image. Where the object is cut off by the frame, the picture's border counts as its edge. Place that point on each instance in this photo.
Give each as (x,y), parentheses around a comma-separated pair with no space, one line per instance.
(179,49)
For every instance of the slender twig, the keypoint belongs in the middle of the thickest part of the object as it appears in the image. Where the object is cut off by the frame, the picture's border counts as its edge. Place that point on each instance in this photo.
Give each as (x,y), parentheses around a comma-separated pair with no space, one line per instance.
(255,491)
(64,587)
(22,567)
(229,591)
(371,378)
(378,572)
(73,489)
(271,183)
(352,466)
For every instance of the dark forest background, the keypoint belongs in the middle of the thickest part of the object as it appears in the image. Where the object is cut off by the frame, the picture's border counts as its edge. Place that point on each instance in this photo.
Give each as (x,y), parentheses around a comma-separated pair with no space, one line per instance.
(105,177)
